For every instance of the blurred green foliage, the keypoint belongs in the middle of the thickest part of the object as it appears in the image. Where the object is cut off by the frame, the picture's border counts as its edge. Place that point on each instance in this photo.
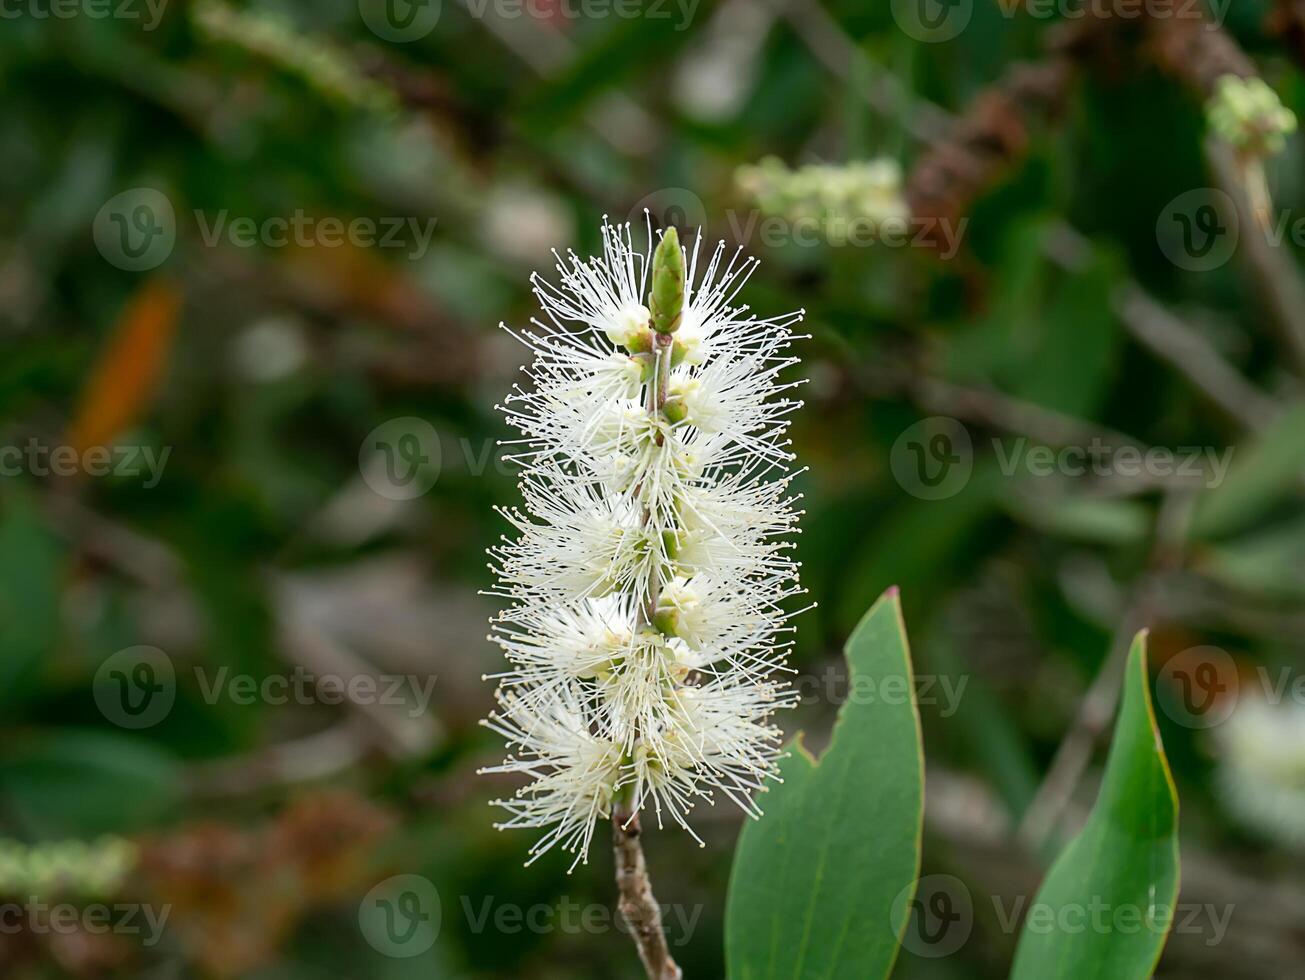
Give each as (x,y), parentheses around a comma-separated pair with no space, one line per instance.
(264,549)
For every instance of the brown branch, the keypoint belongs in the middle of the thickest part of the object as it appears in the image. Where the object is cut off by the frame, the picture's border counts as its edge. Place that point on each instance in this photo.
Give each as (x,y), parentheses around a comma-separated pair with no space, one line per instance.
(990,139)
(638,906)
(1287,21)
(1190,47)
(1277,279)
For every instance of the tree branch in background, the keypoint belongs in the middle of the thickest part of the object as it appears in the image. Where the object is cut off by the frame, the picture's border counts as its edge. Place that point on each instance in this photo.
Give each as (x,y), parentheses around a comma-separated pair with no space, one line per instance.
(988,141)
(1274,271)
(1098,705)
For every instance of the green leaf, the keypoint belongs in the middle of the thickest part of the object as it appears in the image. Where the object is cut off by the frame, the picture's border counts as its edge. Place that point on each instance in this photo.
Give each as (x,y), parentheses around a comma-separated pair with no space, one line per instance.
(1268,562)
(83,782)
(1092,519)
(1078,342)
(815,880)
(1260,476)
(1107,904)
(31,572)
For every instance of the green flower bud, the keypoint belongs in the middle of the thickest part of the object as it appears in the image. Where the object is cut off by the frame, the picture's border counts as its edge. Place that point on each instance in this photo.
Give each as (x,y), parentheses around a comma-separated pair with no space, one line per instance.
(640,342)
(1247,113)
(667,621)
(646,362)
(666,297)
(675,410)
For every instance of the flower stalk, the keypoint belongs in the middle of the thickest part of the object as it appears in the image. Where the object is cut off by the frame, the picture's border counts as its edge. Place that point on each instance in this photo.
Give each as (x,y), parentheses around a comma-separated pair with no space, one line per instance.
(638,905)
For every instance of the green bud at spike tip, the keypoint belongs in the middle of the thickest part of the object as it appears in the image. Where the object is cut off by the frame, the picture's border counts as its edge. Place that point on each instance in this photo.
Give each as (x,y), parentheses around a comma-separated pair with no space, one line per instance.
(666,299)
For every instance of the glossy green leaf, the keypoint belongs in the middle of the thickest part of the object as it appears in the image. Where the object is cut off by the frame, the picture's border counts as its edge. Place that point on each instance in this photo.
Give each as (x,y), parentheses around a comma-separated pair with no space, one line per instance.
(1107,904)
(816,879)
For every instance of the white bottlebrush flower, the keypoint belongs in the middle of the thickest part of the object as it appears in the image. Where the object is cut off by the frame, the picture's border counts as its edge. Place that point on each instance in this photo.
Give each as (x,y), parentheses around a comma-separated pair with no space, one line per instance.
(645,632)
(1261,772)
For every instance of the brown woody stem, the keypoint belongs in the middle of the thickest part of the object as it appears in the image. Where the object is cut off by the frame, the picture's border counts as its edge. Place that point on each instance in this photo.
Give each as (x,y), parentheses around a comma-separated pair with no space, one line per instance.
(638,906)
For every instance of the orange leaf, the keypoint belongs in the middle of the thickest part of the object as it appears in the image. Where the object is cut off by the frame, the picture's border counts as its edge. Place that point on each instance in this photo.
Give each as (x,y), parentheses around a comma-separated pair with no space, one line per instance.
(125,377)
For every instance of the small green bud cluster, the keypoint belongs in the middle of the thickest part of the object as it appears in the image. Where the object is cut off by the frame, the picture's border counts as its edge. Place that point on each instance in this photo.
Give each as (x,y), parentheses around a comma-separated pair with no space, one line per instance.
(835,197)
(68,868)
(666,298)
(1247,114)
(647,332)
